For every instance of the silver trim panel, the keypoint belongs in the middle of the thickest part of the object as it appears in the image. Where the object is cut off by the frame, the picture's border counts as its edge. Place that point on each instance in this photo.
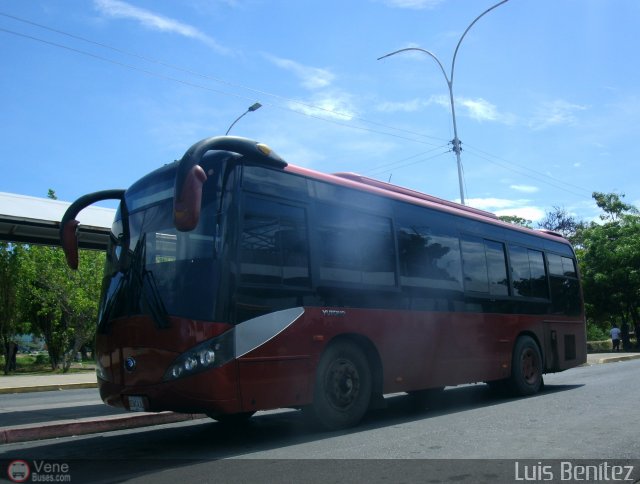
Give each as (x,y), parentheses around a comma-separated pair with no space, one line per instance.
(257,331)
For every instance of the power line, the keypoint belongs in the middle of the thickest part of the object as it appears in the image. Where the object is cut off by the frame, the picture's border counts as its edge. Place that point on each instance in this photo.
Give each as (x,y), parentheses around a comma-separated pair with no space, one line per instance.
(535,175)
(536,172)
(217,91)
(388,168)
(551,181)
(207,77)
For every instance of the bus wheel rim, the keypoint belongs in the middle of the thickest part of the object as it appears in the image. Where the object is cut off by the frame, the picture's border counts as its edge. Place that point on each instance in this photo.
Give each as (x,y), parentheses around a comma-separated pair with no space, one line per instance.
(343,383)
(530,371)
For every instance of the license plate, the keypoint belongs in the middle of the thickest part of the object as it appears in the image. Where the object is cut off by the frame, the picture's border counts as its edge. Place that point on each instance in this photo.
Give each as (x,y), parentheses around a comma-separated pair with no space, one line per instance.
(136,404)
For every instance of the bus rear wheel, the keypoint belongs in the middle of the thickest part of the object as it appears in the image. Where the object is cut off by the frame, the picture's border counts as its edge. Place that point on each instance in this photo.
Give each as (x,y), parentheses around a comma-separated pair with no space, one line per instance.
(343,386)
(526,367)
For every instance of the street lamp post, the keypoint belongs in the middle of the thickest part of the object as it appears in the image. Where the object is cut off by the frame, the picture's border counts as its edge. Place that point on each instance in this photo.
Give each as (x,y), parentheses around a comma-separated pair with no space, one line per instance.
(456,141)
(250,109)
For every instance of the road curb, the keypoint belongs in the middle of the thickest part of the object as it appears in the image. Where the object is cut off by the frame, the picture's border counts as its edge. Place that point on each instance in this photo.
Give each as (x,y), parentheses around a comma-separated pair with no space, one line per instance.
(67,428)
(47,388)
(615,359)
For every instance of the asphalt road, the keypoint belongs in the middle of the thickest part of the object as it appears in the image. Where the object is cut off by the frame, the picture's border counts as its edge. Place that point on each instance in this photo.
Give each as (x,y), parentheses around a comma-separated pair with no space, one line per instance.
(41,407)
(584,413)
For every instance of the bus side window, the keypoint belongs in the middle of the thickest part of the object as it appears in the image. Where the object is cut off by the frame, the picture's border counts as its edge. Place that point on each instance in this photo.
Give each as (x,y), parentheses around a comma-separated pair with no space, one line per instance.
(497,268)
(274,245)
(529,278)
(565,289)
(355,247)
(485,266)
(428,259)
(474,264)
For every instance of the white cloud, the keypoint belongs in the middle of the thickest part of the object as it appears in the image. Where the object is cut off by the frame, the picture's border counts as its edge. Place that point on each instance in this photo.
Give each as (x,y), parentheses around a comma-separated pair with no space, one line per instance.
(406,106)
(489,203)
(502,206)
(334,105)
(149,19)
(528,213)
(324,102)
(413,4)
(312,77)
(524,188)
(555,113)
(478,109)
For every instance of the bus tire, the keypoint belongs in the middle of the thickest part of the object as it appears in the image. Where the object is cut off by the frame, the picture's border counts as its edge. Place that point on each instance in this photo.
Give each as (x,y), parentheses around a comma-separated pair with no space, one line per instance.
(343,386)
(526,367)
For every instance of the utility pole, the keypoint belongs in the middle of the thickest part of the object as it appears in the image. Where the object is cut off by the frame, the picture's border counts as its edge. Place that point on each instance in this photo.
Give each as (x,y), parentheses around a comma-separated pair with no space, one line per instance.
(449,78)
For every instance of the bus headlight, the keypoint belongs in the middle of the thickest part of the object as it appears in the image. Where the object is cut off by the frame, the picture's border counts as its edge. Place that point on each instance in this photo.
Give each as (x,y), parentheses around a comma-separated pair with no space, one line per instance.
(209,354)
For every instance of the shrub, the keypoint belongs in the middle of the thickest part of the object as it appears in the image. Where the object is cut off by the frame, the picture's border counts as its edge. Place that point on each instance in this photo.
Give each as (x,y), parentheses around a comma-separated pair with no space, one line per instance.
(596,333)
(42,360)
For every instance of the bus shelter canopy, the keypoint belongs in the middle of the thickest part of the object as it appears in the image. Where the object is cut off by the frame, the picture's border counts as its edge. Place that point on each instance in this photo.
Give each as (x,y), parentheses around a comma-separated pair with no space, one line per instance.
(35,220)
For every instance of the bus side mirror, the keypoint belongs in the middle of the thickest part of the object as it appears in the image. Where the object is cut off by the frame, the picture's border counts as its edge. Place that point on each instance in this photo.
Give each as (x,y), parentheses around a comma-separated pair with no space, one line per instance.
(190,176)
(69,240)
(188,199)
(69,225)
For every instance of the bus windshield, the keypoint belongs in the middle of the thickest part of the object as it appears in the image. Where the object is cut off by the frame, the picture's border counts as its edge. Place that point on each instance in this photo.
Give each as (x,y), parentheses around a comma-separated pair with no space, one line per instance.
(151,267)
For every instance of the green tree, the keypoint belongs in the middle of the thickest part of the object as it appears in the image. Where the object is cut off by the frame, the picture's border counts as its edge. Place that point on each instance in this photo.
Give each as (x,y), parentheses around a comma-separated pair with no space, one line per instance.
(613,206)
(60,304)
(515,220)
(9,255)
(81,305)
(610,262)
(560,221)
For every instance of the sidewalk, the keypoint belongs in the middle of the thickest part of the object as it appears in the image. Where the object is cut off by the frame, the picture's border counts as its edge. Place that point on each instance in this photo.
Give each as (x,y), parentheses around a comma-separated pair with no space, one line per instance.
(66,428)
(600,358)
(44,383)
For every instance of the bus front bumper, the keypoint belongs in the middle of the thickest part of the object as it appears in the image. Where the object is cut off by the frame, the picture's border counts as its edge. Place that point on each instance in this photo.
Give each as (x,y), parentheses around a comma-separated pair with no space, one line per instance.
(212,392)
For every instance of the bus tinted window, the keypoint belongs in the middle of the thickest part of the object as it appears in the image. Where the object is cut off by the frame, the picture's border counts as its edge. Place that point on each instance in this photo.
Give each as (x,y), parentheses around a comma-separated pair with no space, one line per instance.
(474,263)
(429,259)
(485,266)
(565,290)
(555,264)
(528,272)
(539,286)
(355,247)
(569,267)
(274,246)
(561,266)
(497,268)
(263,180)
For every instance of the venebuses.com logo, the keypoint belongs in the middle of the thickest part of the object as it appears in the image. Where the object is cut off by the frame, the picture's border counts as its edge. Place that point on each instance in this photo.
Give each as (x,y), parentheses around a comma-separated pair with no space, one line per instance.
(38,471)
(18,471)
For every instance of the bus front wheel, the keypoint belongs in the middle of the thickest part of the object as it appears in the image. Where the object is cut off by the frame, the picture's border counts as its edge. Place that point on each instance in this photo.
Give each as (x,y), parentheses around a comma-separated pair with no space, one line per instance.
(343,386)
(526,367)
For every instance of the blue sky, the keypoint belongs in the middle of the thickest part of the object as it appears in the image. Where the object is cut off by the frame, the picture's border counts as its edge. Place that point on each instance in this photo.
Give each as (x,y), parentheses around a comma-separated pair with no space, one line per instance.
(96,93)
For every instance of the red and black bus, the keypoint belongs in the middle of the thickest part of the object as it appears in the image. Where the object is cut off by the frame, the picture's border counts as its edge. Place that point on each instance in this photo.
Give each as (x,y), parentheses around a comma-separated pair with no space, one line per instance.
(236,282)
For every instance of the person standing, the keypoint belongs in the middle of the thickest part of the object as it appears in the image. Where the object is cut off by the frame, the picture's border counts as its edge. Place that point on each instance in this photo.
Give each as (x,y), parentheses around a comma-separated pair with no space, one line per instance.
(615,337)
